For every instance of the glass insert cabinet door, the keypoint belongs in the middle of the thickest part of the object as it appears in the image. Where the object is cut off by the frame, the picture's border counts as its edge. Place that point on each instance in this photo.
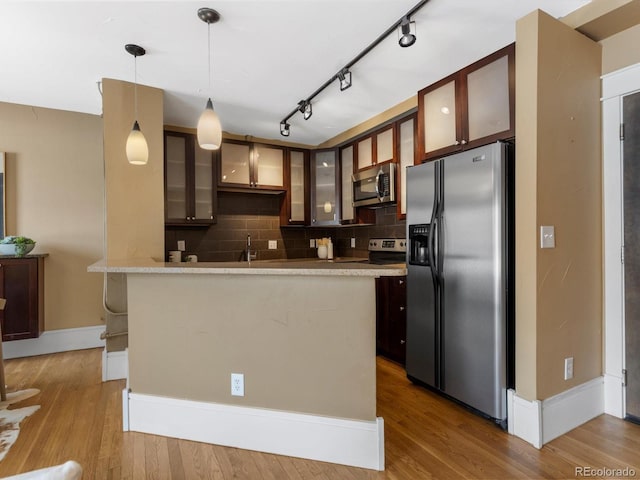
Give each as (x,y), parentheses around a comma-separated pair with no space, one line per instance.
(384,146)
(488,99)
(440,117)
(324,206)
(235,163)
(346,159)
(203,183)
(268,166)
(296,160)
(176,176)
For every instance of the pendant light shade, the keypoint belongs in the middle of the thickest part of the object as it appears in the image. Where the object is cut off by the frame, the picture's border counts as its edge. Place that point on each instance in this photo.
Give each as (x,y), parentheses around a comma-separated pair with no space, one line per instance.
(209,129)
(137,149)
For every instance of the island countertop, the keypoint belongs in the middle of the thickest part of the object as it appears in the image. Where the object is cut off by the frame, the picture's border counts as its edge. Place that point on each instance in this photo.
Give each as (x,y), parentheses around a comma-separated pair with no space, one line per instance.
(301,266)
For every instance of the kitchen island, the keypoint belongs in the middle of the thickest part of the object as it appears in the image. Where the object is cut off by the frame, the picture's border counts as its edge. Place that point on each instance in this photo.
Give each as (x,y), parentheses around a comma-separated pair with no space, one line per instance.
(301,332)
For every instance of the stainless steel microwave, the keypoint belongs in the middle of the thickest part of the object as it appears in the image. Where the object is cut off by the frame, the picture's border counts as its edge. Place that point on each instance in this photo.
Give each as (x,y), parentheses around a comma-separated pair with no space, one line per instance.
(375,185)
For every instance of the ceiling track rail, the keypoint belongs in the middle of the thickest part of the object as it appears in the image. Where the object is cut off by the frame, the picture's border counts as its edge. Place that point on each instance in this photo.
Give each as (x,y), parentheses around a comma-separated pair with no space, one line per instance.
(357,58)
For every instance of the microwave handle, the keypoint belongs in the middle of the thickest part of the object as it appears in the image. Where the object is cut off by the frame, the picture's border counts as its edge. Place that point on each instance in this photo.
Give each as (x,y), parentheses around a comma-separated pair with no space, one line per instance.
(378,184)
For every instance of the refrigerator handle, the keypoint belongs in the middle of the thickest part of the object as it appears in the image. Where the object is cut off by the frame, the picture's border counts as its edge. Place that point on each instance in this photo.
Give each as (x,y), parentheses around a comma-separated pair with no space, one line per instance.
(432,241)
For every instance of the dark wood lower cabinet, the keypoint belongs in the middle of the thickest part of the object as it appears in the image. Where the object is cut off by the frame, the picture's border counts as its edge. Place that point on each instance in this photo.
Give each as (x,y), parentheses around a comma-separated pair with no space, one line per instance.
(391,317)
(22,285)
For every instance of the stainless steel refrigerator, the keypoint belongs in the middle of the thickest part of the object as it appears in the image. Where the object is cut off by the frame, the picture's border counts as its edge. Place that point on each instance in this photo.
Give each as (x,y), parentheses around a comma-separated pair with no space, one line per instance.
(460,271)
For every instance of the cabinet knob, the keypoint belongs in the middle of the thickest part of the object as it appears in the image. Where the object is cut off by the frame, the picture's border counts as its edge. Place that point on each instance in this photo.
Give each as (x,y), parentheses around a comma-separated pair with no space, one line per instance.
(457,142)
(402,342)
(400,282)
(402,309)
(464,142)
(290,220)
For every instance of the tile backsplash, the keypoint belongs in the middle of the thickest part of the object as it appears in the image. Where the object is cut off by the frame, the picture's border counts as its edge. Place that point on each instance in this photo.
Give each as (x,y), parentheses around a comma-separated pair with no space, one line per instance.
(258,215)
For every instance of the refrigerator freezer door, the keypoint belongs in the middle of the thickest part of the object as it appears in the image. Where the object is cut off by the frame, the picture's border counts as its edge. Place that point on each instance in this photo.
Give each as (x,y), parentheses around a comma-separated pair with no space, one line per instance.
(421,321)
(474,311)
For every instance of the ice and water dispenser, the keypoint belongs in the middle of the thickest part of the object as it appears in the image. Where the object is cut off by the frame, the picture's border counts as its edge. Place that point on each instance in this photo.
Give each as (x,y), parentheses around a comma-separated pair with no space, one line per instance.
(418,244)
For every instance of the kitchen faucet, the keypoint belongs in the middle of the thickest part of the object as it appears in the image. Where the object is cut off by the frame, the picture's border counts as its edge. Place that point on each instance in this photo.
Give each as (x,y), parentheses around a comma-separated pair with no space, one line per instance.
(250,256)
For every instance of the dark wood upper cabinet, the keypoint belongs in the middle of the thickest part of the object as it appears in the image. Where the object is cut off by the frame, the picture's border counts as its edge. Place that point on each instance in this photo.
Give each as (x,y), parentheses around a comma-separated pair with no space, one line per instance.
(474,106)
(190,193)
(377,147)
(251,166)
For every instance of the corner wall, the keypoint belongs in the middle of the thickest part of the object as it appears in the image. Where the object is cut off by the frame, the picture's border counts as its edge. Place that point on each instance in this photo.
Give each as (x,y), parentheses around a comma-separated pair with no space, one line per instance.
(558,182)
(135,195)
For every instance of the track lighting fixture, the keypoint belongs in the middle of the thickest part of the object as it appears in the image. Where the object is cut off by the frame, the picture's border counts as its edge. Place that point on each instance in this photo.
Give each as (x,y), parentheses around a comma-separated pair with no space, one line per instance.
(304,106)
(136,148)
(408,29)
(406,37)
(209,130)
(344,76)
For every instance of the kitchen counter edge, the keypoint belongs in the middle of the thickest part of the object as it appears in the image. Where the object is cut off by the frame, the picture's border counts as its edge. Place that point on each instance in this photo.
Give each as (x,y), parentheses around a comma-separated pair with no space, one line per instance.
(288,267)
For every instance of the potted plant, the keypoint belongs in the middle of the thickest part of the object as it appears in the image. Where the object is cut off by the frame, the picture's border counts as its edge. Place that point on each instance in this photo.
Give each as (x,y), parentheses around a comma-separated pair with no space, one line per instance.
(18,246)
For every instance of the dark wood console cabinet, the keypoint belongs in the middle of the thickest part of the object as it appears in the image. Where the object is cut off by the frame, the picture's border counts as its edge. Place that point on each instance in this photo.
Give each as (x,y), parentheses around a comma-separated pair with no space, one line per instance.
(391,317)
(22,285)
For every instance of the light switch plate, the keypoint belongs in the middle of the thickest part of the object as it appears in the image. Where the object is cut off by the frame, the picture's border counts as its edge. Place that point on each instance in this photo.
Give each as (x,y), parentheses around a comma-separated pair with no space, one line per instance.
(547,237)
(273,244)
(353,242)
(181,245)
(312,243)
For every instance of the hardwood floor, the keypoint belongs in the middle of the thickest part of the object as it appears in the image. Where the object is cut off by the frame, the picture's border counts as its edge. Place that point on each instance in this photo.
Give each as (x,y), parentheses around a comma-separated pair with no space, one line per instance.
(426,437)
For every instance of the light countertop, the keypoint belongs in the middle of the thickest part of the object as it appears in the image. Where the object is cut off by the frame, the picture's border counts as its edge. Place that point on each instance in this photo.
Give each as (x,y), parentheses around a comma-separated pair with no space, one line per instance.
(302,266)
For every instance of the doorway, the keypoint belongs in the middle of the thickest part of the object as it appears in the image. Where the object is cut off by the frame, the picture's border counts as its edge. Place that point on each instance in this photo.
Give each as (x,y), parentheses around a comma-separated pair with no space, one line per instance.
(630,136)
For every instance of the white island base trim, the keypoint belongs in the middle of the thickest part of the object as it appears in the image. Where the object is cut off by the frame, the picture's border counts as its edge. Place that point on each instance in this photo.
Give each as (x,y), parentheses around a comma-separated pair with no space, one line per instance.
(335,440)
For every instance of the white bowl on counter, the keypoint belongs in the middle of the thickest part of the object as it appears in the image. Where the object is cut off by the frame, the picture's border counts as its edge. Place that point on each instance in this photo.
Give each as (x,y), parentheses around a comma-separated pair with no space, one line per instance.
(10,248)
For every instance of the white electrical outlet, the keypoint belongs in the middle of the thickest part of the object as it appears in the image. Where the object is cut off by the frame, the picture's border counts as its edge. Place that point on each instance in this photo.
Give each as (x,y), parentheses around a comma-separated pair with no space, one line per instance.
(353,242)
(312,243)
(237,384)
(181,245)
(568,368)
(273,244)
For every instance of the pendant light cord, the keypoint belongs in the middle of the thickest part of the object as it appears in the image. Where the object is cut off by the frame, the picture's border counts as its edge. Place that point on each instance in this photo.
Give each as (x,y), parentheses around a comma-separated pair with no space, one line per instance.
(135,87)
(209,48)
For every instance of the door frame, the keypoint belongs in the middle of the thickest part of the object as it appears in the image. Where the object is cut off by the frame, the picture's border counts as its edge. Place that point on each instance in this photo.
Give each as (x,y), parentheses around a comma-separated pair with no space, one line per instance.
(615,86)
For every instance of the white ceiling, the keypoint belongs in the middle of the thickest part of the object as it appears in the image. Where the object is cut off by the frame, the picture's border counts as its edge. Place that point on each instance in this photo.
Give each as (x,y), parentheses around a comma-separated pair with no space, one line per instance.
(267,55)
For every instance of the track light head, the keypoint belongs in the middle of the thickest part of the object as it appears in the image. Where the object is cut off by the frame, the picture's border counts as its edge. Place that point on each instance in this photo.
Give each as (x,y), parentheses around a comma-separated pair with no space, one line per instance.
(408,36)
(344,76)
(304,106)
(285,129)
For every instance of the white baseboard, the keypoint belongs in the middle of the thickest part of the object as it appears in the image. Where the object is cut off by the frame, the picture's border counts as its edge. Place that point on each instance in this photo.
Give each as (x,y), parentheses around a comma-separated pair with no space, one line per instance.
(347,442)
(525,420)
(115,365)
(539,422)
(570,409)
(614,396)
(54,341)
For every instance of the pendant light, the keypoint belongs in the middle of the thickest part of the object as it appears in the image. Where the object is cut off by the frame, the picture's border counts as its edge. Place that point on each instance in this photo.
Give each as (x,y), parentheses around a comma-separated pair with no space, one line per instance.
(209,129)
(137,149)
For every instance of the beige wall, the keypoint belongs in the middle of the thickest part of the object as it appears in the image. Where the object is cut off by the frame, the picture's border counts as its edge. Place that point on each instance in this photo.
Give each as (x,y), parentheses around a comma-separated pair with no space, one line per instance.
(135,193)
(558,182)
(621,50)
(55,196)
(304,344)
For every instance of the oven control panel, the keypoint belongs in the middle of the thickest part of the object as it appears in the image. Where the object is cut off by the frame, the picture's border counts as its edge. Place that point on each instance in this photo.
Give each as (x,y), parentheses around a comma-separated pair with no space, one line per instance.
(387,245)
